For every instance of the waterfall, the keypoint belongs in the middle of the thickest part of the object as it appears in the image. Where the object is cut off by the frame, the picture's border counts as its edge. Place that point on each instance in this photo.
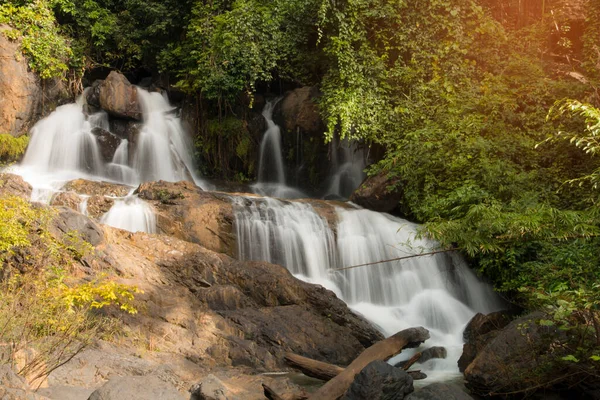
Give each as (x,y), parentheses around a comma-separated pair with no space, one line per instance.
(131,214)
(438,292)
(347,164)
(271,170)
(62,148)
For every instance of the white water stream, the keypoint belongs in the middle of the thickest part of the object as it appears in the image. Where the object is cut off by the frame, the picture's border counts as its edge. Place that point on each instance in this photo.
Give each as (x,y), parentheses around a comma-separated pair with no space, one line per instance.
(62,148)
(438,292)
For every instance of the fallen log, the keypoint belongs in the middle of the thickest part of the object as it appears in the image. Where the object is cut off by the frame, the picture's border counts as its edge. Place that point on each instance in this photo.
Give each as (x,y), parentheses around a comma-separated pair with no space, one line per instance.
(325,371)
(271,395)
(424,356)
(382,350)
(313,368)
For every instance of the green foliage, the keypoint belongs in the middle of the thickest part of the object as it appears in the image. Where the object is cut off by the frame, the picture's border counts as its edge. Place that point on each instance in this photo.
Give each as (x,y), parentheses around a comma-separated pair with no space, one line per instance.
(42,305)
(34,24)
(11,148)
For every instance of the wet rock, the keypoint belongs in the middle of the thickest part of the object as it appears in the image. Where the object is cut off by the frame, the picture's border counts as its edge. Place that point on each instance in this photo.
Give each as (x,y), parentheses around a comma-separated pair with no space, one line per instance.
(20,89)
(68,221)
(299,111)
(136,387)
(119,98)
(516,359)
(380,381)
(478,332)
(14,185)
(93,188)
(374,194)
(125,129)
(67,199)
(93,94)
(97,206)
(439,391)
(107,143)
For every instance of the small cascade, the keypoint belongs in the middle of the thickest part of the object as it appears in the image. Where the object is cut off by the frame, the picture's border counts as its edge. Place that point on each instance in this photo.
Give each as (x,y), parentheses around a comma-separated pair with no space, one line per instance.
(271,170)
(270,165)
(438,292)
(163,148)
(131,214)
(348,164)
(62,148)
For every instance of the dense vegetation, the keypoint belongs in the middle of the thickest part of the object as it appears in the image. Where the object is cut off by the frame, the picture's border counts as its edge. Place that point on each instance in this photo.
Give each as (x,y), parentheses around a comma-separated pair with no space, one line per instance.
(461,94)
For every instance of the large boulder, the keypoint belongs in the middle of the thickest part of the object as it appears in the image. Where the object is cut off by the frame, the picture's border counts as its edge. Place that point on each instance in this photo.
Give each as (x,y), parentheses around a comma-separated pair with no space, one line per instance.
(439,391)
(119,98)
(136,387)
(20,89)
(375,194)
(68,222)
(517,359)
(14,387)
(299,111)
(107,143)
(478,332)
(96,188)
(14,185)
(380,381)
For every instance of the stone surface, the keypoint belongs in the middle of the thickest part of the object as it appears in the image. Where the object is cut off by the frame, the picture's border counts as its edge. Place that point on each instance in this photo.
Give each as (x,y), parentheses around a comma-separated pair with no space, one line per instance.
(20,89)
(136,387)
(97,188)
(14,185)
(67,199)
(13,387)
(478,332)
(439,391)
(373,194)
(515,359)
(211,388)
(299,111)
(65,393)
(68,221)
(107,143)
(119,98)
(380,381)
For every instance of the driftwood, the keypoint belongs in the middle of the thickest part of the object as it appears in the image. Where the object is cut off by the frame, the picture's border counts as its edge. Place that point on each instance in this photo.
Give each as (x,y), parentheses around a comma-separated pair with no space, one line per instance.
(313,368)
(421,357)
(325,371)
(382,350)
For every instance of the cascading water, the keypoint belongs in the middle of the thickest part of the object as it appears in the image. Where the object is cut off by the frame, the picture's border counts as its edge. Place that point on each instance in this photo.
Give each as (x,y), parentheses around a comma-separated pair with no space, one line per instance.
(271,170)
(438,292)
(348,164)
(132,214)
(63,147)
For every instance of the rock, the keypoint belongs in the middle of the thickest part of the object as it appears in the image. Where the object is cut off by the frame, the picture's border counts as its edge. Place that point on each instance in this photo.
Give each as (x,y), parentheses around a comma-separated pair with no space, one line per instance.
(380,381)
(67,199)
(478,332)
(373,193)
(300,112)
(517,359)
(94,188)
(187,212)
(211,388)
(20,89)
(65,393)
(93,94)
(107,142)
(136,387)
(14,185)
(125,129)
(119,98)
(97,206)
(439,391)
(68,221)
(13,387)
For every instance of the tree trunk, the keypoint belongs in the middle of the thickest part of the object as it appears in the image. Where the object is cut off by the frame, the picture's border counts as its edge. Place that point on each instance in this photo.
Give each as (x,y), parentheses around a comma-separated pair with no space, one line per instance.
(313,368)
(382,350)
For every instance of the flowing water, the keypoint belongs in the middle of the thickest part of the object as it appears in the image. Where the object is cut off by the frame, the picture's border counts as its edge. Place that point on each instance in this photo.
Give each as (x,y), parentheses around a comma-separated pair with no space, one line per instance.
(271,169)
(63,147)
(438,292)
(348,164)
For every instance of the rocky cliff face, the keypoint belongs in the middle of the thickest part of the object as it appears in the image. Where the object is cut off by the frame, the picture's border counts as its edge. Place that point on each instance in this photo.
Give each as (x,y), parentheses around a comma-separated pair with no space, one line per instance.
(24,98)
